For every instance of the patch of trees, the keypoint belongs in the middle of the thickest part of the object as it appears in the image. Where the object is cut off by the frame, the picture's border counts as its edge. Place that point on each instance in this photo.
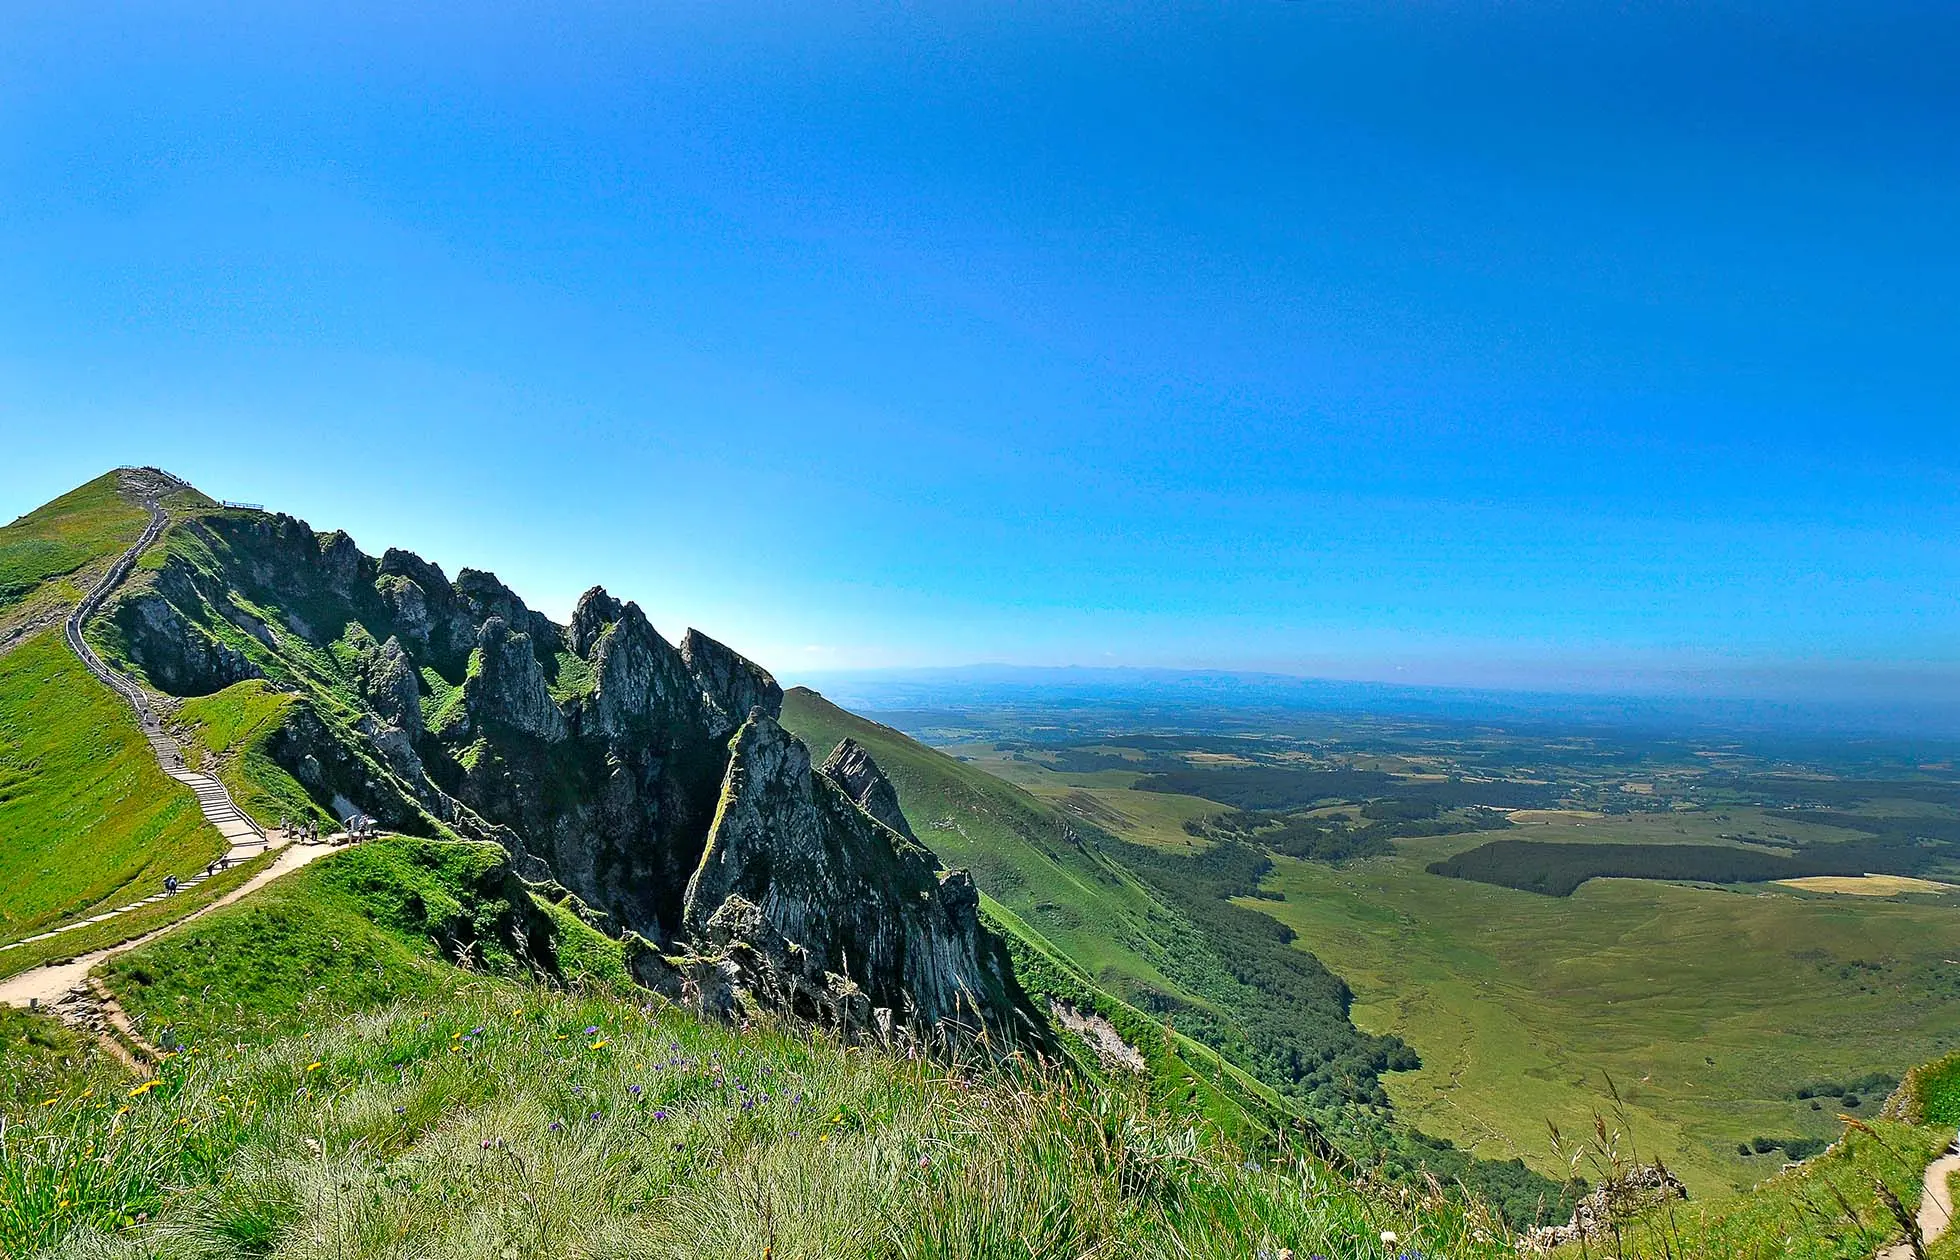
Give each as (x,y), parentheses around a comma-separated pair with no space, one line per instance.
(1944,832)
(1791,790)
(1268,787)
(1336,839)
(1524,1198)
(1088,761)
(1282,789)
(1851,1093)
(1556,869)
(1287,1011)
(1793,1148)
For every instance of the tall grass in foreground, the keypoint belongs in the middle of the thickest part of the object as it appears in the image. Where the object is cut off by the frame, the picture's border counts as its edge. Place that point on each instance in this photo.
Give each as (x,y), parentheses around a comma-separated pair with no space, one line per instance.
(1832,1207)
(508,1121)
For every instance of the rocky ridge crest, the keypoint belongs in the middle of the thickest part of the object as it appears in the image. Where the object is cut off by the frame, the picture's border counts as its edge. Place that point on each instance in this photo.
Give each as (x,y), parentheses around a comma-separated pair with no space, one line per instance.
(653,782)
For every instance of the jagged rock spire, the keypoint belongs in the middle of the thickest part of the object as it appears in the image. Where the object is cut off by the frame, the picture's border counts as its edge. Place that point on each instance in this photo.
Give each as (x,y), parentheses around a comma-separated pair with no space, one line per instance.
(851,768)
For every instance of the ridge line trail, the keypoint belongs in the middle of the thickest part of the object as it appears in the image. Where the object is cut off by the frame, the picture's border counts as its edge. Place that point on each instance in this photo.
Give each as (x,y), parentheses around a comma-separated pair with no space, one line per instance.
(1935,1203)
(245,838)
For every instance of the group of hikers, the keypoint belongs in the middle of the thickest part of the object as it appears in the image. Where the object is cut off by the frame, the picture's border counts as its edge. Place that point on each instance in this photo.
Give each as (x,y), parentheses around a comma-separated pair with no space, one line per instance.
(305,830)
(170,884)
(359,827)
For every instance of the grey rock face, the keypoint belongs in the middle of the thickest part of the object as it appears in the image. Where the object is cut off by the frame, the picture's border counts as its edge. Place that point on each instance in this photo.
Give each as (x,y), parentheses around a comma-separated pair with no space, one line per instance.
(342,563)
(509,687)
(730,682)
(389,685)
(410,605)
(596,610)
(866,904)
(179,656)
(425,607)
(641,683)
(483,597)
(425,574)
(851,768)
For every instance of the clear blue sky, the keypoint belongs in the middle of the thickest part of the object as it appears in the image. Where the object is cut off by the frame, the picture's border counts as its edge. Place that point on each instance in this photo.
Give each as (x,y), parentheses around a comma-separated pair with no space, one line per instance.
(1521,342)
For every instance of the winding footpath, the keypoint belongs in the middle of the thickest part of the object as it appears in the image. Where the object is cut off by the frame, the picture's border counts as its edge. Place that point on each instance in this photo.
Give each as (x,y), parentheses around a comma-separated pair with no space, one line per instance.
(48,986)
(1935,1203)
(245,837)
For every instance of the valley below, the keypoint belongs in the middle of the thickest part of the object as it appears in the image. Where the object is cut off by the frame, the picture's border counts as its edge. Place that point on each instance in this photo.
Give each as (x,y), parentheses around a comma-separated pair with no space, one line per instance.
(1722,1026)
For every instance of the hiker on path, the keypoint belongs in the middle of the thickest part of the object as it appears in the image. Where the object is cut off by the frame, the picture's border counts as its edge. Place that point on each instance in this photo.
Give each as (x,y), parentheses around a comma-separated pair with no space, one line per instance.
(169,883)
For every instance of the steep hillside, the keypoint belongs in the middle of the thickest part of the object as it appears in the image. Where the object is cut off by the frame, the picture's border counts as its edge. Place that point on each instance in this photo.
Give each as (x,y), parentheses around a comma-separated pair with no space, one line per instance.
(362,1096)
(1158,934)
(85,813)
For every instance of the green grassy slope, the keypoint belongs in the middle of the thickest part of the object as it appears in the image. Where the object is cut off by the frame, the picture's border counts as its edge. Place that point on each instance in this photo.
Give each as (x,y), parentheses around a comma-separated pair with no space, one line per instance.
(1827,1208)
(444,1112)
(230,732)
(49,557)
(1708,1008)
(131,924)
(236,579)
(1094,912)
(85,814)
(1056,895)
(378,922)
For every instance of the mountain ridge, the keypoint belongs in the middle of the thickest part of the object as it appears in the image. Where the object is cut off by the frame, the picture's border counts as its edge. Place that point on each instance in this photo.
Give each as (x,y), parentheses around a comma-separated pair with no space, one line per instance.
(597,754)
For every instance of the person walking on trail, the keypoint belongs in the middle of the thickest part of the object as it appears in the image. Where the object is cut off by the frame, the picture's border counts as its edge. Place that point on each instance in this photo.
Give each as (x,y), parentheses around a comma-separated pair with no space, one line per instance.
(169,884)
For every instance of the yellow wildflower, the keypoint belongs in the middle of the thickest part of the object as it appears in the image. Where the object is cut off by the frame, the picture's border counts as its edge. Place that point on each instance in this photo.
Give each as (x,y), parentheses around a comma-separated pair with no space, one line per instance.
(313,1066)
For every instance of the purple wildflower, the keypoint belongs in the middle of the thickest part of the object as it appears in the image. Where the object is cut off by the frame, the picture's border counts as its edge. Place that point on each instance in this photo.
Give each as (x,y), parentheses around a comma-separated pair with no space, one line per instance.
(660,1115)
(591,1030)
(633,1090)
(555,1126)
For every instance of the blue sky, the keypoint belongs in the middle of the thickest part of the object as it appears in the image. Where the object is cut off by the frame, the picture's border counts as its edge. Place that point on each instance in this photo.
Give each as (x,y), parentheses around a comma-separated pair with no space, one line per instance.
(1533,344)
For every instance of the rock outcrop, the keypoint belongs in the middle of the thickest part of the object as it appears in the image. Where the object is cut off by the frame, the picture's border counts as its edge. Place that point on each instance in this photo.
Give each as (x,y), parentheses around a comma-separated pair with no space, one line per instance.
(506,684)
(792,852)
(851,768)
(731,684)
(652,782)
(389,685)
